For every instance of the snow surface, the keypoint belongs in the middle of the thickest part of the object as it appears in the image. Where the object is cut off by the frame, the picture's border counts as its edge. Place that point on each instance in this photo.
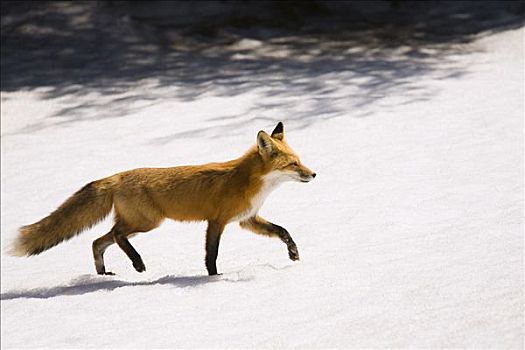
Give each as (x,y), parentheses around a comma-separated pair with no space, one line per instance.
(411,235)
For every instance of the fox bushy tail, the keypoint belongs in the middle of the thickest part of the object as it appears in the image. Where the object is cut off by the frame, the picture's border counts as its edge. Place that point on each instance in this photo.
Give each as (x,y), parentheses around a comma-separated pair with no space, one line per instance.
(85,208)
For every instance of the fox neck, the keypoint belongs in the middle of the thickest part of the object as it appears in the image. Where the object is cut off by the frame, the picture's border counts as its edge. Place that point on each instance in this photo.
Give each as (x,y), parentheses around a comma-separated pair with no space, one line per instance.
(262,177)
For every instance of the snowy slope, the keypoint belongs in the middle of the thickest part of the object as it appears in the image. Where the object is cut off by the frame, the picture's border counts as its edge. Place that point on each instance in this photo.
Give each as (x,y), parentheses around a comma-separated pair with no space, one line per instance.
(410,236)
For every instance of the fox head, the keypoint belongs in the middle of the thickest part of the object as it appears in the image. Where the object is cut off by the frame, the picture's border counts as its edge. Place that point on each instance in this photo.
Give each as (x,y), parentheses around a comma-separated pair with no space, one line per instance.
(284,164)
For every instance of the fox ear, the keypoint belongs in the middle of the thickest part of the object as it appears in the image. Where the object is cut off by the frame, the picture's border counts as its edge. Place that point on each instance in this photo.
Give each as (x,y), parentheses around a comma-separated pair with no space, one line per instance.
(264,143)
(278,132)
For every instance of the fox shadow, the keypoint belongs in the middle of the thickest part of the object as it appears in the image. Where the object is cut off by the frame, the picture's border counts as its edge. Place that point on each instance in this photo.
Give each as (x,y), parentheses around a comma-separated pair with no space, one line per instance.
(90,284)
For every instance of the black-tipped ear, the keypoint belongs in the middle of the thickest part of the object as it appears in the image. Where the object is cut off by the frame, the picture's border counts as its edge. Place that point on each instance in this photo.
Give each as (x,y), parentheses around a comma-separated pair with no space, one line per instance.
(278,132)
(264,143)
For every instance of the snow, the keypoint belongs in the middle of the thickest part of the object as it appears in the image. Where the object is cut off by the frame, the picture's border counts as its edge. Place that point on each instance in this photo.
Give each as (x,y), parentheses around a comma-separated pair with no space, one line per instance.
(411,235)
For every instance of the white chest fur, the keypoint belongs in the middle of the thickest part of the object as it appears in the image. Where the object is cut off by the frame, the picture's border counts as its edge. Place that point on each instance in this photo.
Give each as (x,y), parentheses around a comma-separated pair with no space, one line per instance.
(270,182)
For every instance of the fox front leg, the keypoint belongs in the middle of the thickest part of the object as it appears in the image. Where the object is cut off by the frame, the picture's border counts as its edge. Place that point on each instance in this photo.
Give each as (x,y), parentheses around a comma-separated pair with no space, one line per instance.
(284,235)
(260,226)
(213,238)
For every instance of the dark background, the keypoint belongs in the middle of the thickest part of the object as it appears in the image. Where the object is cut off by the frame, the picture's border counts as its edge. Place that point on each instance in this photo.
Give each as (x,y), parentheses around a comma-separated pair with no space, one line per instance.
(73,47)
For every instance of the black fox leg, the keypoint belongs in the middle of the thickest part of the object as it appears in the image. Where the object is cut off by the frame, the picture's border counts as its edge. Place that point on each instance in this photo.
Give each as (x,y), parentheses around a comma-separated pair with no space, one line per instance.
(284,235)
(99,247)
(213,237)
(260,226)
(122,241)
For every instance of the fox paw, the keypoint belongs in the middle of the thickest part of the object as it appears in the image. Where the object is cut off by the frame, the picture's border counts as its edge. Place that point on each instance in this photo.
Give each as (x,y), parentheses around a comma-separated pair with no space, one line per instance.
(139,266)
(102,271)
(293,253)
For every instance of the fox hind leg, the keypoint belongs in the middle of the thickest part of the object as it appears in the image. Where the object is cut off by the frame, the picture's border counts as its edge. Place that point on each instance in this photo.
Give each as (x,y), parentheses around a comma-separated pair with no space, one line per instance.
(121,238)
(99,247)
(134,214)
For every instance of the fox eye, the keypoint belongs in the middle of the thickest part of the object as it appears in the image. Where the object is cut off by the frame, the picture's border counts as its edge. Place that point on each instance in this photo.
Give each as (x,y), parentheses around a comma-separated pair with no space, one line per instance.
(295,164)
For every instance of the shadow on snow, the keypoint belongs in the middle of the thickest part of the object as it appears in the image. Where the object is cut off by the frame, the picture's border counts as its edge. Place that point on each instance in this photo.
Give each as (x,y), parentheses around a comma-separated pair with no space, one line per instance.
(90,284)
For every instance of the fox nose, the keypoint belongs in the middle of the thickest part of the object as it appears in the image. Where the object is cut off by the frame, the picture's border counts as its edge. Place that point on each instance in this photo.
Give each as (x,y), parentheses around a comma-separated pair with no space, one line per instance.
(314,174)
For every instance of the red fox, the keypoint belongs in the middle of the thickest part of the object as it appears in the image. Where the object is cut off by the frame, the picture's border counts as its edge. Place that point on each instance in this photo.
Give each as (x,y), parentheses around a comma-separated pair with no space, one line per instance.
(218,193)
